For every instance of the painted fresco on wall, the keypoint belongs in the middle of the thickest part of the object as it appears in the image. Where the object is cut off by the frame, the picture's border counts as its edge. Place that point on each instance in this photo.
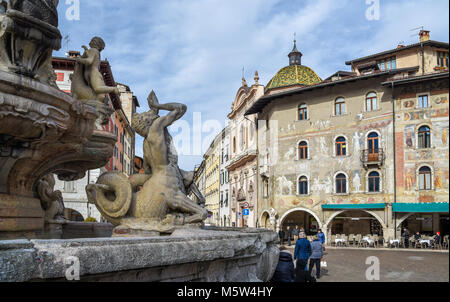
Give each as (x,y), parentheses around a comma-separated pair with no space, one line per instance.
(422,115)
(426,198)
(284,186)
(410,180)
(356,181)
(325,186)
(408,104)
(357,142)
(409,135)
(441,100)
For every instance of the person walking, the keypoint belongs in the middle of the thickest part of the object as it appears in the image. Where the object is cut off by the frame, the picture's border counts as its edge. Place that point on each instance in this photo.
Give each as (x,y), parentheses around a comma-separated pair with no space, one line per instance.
(281,235)
(302,251)
(406,237)
(296,232)
(285,271)
(301,275)
(289,235)
(321,237)
(316,256)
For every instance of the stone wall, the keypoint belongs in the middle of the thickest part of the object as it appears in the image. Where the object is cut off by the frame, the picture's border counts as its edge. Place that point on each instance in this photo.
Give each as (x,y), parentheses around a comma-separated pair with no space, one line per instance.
(218,254)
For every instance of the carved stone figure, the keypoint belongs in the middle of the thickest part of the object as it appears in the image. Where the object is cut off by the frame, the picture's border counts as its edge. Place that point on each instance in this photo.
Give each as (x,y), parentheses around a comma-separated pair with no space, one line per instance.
(272,216)
(162,205)
(28,35)
(51,201)
(87,81)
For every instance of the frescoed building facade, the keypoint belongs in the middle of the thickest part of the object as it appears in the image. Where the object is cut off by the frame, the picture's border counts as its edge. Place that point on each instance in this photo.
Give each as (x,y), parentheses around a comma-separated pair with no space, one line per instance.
(327,157)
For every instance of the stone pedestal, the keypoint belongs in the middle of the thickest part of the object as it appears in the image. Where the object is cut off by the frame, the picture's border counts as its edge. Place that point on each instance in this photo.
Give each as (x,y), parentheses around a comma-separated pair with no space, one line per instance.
(213,255)
(20,216)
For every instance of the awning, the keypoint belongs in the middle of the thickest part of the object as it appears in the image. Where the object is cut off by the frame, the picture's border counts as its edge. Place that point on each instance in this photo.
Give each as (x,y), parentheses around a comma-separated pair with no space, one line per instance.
(353,206)
(429,207)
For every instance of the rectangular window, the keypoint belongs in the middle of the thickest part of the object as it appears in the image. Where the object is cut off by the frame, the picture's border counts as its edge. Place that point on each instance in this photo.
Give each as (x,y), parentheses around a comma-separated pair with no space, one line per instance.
(442,59)
(425,181)
(423,101)
(387,64)
(59,77)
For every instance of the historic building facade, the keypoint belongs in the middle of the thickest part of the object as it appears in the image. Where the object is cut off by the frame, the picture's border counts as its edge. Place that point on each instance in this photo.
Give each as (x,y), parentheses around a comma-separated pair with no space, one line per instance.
(224,211)
(212,181)
(242,166)
(327,155)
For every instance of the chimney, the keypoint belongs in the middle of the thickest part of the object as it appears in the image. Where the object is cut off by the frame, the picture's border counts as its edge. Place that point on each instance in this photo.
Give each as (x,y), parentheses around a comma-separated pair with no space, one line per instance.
(424,35)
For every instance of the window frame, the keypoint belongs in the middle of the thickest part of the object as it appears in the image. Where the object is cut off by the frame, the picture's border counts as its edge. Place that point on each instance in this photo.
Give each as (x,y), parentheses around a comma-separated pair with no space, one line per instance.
(341,104)
(303,150)
(341,186)
(430,173)
(304,179)
(302,111)
(369,178)
(367,98)
(338,146)
(425,139)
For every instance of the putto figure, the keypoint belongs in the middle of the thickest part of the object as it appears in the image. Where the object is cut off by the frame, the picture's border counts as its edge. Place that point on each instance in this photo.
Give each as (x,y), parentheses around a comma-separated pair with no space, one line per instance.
(161,205)
(87,81)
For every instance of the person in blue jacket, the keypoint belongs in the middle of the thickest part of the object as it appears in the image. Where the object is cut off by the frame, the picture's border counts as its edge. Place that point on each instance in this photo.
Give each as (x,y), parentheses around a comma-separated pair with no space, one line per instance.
(321,236)
(302,250)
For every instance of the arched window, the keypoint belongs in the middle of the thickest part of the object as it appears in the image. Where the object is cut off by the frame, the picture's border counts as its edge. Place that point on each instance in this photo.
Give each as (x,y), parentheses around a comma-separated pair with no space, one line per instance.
(424,136)
(303,150)
(374,181)
(341,146)
(302,112)
(341,183)
(373,144)
(339,106)
(371,101)
(425,178)
(303,185)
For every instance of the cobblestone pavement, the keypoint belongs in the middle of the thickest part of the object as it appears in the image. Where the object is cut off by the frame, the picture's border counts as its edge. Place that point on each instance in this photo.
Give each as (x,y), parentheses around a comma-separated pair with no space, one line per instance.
(349,265)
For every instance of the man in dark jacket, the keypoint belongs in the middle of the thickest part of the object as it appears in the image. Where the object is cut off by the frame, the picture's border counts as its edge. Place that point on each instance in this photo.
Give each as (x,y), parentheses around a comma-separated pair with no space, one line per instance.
(406,236)
(289,235)
(301,275)
(285,271)
(302,249)
(281,235)
(316,256)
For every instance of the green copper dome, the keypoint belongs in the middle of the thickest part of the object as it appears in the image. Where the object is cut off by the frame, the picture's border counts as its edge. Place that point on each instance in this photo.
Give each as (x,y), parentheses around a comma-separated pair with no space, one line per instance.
(294,75)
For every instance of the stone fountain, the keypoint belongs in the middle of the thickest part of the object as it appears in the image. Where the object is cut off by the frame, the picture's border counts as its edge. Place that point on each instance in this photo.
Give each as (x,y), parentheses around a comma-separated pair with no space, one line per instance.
(159,233)
(42,129)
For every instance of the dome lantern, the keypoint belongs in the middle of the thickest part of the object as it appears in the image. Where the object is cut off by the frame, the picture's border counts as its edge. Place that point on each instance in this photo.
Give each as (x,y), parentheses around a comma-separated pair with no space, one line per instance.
(295,56)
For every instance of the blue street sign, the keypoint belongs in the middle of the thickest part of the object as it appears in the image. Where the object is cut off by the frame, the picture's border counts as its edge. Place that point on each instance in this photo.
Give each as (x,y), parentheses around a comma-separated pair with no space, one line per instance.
(246,212)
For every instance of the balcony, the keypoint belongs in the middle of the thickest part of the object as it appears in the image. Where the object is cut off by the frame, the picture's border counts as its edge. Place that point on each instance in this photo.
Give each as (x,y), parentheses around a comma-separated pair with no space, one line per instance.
(372,157)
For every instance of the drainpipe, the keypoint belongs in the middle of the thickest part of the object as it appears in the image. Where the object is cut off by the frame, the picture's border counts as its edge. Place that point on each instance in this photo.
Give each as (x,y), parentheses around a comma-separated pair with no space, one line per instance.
(395,161)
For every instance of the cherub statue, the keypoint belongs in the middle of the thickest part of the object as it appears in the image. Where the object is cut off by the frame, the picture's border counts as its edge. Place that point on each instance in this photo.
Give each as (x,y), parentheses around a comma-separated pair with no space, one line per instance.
(87,81)
(162,203)
(51,201)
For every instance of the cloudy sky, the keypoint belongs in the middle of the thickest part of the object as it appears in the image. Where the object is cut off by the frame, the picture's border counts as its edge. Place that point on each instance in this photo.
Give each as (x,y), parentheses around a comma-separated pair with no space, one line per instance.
(194,51)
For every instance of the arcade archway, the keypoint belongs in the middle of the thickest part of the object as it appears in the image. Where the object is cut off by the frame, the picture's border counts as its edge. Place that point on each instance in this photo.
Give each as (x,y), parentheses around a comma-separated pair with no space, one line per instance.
(355,222)
(303,218)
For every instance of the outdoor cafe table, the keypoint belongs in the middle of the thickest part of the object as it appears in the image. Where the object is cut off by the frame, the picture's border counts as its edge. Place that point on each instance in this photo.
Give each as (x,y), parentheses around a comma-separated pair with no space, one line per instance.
(422,241)
(339,240)
(367,239)
(392,241)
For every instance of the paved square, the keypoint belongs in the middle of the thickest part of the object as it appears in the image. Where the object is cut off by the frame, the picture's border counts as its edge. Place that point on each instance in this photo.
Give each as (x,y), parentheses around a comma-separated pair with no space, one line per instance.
(349,265)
